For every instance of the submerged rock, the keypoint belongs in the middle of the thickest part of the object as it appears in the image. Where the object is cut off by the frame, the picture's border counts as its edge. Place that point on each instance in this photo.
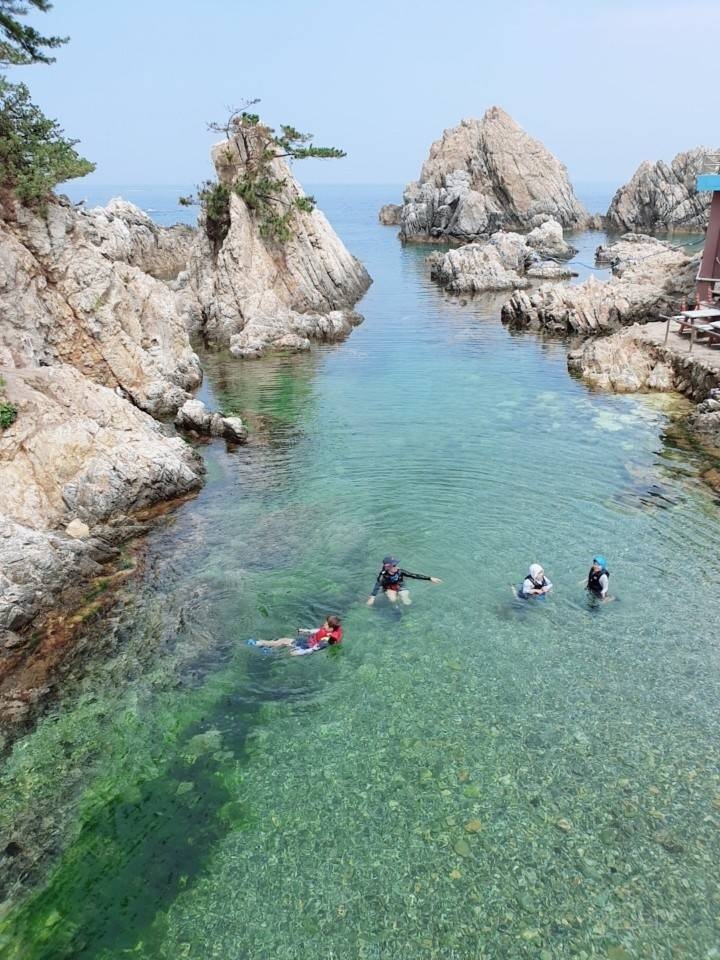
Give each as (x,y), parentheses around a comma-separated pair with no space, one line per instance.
(661,197)
(485,175)
(650,277)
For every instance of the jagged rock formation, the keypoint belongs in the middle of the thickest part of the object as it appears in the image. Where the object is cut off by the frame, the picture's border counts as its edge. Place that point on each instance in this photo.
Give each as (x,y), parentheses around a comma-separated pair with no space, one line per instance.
(662,197)
(389,214)
(483,176)
(77,451)
(548,241)
(621,363)
(507,261)
(650,277)
(253,293)
(69,293)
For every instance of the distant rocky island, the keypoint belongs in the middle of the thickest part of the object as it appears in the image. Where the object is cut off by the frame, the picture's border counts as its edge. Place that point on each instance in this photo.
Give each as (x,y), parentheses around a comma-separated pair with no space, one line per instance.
(503,201)
(483,176)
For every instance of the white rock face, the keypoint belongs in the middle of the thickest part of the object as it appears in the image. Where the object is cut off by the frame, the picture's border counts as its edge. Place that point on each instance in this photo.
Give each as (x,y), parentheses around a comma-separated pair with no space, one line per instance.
(649,278)
(661,197)
(69,294)
(194,415)
(389,214)
(621,363)
(547,239)
(77,456)
(485,175)
(506,261)
(254,293)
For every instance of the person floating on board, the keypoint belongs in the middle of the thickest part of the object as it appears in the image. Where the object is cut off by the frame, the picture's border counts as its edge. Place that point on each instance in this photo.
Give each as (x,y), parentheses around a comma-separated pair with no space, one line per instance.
(391,581)
(598,579)
(330,634)
(535,584)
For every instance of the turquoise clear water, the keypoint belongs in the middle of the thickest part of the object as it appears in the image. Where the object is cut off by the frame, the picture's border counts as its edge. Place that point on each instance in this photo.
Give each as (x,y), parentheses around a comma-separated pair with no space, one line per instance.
(466,778)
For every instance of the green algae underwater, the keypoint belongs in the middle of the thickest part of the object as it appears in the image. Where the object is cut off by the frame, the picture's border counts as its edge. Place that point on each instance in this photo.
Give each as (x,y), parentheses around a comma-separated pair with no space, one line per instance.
(469,777)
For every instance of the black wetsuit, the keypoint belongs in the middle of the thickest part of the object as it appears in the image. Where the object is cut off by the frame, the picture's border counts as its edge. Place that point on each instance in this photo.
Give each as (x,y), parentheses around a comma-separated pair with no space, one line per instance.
(593,584)
(394,581)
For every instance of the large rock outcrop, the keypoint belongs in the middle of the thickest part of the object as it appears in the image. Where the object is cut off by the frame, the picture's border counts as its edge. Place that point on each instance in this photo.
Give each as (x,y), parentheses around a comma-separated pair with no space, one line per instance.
(77,451)
(255,292)
(650,277)
(507,261)
(483,176)
(72,291)
(661,197)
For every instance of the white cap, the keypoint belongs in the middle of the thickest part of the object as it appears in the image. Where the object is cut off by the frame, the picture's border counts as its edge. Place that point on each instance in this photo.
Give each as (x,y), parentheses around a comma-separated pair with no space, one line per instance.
(536,571)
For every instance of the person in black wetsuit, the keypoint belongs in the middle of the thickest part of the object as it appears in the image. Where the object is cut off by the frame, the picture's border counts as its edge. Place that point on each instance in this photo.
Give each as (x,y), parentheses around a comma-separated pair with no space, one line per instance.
(390,581)
(598,580)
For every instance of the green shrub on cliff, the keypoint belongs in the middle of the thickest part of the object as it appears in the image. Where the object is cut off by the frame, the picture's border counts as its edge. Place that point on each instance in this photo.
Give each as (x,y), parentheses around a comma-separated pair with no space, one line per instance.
(34,154)
(255,146)
(8,415)
(8,411)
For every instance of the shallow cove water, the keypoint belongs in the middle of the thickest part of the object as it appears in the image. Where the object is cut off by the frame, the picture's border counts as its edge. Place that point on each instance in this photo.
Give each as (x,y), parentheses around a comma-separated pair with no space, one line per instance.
(468,777)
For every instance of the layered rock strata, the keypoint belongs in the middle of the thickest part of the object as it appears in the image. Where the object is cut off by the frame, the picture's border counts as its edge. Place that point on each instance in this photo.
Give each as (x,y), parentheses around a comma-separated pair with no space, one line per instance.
(76,452)
(649,278)
(71,292)
(254,292)
(507,261)
(483,176)
(661,197)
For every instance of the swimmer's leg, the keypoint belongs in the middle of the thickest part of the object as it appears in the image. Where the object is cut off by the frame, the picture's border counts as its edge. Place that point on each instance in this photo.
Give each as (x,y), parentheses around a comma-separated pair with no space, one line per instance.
(282,642)
(392,595)
(405,597)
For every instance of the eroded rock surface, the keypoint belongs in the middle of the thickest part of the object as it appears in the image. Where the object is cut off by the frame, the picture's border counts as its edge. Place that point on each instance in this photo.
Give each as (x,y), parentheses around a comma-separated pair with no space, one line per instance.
(389,214)
(650,278)
(507,261)
(661,197)
(621,363)
(77,452)
(483,176)
(195,416)
(254,292)
(70,293)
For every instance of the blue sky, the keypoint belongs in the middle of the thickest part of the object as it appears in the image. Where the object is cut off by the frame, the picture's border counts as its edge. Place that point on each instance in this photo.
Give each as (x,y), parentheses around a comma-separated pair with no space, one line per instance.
(604,85)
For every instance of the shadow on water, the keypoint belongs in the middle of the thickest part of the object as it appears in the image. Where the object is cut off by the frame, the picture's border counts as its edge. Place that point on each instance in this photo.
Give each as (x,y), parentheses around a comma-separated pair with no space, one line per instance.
(142,844)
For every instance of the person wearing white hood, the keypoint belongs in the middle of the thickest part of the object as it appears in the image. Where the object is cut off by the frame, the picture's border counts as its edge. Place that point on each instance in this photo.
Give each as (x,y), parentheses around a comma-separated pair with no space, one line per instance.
(535,584)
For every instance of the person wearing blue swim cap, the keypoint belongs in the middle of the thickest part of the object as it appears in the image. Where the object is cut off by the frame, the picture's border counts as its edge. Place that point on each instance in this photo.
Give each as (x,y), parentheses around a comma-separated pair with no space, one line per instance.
(598,580)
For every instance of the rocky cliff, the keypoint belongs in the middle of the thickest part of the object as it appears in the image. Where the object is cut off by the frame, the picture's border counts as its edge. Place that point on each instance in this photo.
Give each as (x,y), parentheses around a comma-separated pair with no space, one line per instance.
(662,198)
(77,452)
(483,176)
(254,292)
(650,277)
(73,290)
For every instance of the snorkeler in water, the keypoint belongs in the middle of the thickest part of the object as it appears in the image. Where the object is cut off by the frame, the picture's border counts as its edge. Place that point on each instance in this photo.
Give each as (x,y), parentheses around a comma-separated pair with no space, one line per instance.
(391,581)
(598,581)
(330,634)
(535,584)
